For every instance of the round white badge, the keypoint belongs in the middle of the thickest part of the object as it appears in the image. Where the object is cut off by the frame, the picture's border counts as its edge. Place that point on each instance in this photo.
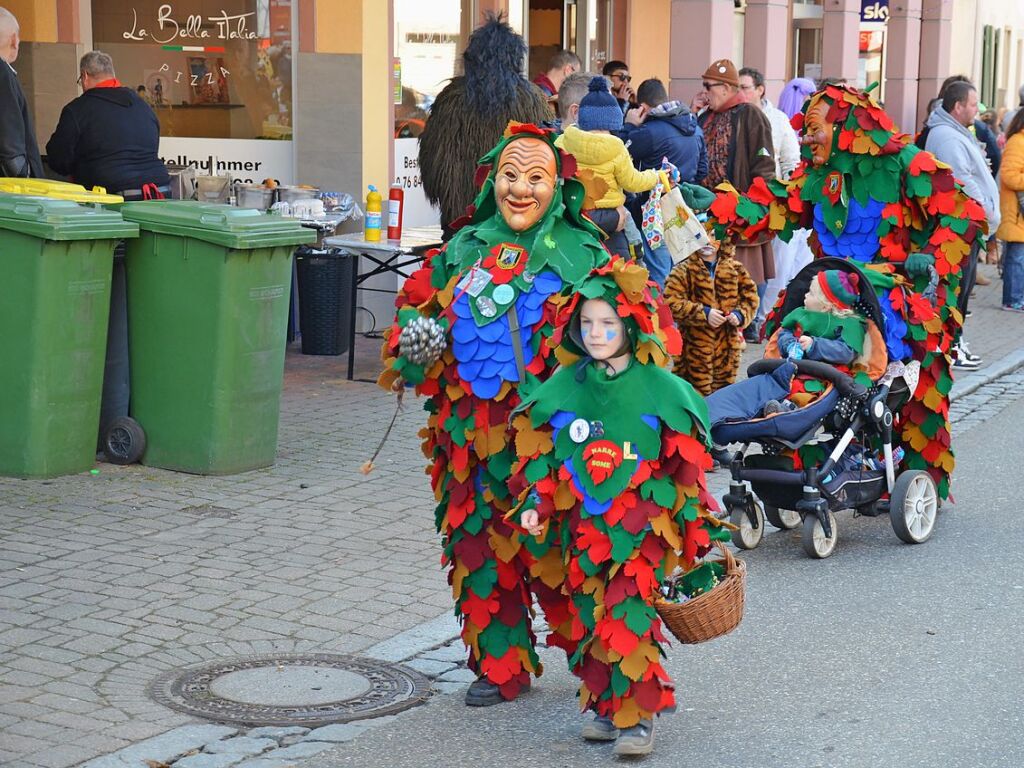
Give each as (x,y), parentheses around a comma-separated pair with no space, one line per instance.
(579,430)
(722,70)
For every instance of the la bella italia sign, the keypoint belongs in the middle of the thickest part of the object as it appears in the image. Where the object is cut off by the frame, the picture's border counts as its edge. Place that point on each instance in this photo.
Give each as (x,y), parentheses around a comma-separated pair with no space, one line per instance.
(168,29)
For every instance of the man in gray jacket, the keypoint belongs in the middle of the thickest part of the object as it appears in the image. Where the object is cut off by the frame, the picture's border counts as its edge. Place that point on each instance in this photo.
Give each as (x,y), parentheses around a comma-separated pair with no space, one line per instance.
(951,141)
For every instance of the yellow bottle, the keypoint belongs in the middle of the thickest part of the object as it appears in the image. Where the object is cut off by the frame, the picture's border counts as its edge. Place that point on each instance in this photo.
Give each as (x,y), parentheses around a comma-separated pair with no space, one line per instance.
(373,215)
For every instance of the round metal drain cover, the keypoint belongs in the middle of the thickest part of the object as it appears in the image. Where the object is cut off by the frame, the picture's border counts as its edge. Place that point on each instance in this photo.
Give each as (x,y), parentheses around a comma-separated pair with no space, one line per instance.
(291,689)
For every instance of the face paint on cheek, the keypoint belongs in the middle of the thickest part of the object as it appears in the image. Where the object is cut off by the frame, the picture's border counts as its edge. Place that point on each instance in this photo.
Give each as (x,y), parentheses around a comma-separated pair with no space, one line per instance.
(610,335)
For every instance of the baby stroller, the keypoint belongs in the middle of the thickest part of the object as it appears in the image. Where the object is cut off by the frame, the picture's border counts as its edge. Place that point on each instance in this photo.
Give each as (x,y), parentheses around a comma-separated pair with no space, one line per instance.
(823,457)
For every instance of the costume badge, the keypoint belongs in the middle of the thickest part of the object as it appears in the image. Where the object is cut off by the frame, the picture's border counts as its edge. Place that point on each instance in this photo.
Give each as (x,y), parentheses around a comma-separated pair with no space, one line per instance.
(475,281)
(627,451)
(602,459)
(508,256)
(486,306)
(579,430)
(503,294)
(528,276)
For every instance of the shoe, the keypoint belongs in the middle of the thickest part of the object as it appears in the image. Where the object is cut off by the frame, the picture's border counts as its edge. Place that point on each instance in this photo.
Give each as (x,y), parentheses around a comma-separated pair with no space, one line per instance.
(638,740)
(483,693)
(772,407)
(967,314)
(722,456)
(964,351)
(600,729)
(981,279)
(751,334)
(1018,307)
(960,364)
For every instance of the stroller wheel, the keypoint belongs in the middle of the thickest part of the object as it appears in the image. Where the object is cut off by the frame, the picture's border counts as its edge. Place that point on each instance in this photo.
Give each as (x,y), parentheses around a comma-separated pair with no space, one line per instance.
(124,441)
(813,539)
(784,519)
(749,522)
(913,507)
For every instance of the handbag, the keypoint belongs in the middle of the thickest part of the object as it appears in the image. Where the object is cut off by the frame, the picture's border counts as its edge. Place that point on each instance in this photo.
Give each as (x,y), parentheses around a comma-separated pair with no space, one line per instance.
(683,232)
(651,222)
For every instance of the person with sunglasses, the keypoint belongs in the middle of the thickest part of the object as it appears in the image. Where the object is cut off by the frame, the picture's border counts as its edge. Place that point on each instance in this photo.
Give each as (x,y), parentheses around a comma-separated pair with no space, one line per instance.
(618,72)
(738,139)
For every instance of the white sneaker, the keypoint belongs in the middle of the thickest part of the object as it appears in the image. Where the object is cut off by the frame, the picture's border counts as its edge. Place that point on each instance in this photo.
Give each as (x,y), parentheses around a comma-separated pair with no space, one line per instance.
(638,740)
(965,352)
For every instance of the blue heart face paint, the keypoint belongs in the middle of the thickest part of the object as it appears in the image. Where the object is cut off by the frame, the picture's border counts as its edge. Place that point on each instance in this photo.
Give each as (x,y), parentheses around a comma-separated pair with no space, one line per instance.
(601,328)
(610,335)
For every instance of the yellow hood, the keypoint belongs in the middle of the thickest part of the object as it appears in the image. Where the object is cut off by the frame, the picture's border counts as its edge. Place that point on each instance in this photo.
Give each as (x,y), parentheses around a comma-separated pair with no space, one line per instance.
(590,148)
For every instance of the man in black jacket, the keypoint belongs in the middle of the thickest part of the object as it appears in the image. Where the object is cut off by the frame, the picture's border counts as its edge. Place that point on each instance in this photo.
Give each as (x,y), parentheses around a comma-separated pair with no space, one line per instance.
(108,136)
(661,128)
(19,153)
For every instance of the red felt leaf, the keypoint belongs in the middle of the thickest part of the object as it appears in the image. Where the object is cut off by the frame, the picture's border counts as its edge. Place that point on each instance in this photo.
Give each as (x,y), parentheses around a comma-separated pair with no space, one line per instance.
(923,162)
(616,635)
(479,610)
(759,192)
(620,587)
(643,573)
(501,670)
(601,459)
(596,544)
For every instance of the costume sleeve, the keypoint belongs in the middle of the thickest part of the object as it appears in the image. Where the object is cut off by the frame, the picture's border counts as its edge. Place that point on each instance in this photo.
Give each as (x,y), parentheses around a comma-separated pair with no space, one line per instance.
(630,179)
(834,351)
(62,147)
(784,340)
(677,296)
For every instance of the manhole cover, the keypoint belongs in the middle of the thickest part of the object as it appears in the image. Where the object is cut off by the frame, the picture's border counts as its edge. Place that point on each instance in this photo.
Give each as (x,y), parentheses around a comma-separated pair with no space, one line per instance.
(291,689)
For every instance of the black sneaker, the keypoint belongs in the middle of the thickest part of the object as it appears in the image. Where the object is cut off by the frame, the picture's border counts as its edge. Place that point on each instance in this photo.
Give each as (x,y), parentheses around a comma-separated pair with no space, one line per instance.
(751,334)
(722,456)
(484,693)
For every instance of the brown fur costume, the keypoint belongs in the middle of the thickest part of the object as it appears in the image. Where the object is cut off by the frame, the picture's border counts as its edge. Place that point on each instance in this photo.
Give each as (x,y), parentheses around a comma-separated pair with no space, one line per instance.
(470,115)
(711,356)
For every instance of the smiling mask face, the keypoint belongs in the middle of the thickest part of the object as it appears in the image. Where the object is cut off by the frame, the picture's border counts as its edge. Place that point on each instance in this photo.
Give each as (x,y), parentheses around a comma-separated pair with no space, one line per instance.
(525,182)
(818,132)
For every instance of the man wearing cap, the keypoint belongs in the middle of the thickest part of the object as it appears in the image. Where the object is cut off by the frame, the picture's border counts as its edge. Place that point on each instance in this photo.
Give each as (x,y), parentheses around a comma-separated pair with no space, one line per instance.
(19,152)
(739,145)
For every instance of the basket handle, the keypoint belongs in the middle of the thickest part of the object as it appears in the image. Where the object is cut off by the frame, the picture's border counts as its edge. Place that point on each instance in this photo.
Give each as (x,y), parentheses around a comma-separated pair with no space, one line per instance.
(727,555)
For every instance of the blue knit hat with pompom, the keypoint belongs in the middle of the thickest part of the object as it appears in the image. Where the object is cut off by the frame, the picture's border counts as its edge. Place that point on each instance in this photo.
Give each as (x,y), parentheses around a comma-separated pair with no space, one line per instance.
(599,110)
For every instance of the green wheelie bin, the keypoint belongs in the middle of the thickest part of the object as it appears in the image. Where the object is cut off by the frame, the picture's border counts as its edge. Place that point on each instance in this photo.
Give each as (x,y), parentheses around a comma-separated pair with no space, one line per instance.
(208,290)
(55,264)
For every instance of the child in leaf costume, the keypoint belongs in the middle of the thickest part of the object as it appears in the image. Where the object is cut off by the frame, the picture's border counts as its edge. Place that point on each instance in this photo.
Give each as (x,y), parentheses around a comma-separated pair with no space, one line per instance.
(622,472)
(498,290)
(869,195)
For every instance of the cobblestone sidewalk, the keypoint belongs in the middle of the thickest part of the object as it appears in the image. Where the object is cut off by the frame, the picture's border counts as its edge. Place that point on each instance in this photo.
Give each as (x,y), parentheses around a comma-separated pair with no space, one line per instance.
(109,580)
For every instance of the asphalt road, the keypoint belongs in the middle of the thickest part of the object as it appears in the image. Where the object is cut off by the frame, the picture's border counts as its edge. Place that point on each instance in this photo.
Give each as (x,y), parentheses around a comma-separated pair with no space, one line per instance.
(882,655)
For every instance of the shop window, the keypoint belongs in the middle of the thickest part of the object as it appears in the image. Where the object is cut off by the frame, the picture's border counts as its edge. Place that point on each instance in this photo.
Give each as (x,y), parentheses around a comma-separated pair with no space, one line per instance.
(210,68)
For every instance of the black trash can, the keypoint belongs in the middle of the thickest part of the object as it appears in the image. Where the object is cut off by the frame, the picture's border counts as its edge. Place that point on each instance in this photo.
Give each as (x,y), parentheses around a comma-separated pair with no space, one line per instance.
(325,287)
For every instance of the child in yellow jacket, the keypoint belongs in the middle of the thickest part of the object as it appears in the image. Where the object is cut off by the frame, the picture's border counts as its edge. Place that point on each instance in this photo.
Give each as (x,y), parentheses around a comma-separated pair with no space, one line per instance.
(712,298)
(603,162)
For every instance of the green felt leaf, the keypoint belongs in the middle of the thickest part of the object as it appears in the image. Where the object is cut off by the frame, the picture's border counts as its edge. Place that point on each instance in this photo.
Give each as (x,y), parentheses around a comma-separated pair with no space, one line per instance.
(834,216)
(944,383)
(813,386)
(585,604)
(960,225)
(701,579)
(483,579)
(494,639)
(660,490)
(749,210)
(719,533)
(623,543)
(620,683)
(690,510)
(587,565)
(474,523)
(536,469)
(917,332)
(932,424)
(918,186)
(636,613)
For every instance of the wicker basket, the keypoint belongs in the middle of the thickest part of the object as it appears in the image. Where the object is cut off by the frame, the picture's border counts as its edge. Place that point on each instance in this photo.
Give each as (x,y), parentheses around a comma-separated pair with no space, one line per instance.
(712,614)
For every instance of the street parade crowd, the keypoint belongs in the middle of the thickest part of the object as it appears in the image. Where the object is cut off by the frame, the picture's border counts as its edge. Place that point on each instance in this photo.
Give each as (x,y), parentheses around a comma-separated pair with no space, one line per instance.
(564,344)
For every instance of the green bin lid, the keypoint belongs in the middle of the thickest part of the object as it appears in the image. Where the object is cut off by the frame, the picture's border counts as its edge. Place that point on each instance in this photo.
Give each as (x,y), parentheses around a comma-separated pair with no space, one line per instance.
(218,224)
(51,219)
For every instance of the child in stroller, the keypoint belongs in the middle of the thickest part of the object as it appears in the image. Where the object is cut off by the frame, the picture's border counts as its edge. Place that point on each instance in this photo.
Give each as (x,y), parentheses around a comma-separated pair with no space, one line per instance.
(830,447)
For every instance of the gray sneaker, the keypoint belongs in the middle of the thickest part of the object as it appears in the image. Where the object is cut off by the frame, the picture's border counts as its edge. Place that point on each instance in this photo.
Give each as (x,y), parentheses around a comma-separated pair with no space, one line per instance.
(600,729)
(638,740)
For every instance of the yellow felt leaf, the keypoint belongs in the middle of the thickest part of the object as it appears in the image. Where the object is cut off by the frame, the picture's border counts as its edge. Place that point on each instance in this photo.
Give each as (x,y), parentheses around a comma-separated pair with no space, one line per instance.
(504,547)
(629,714)
(776,217)
(635,665)
(631,278)
(564,498)
(863,145)
(471,637)
(591,584)
(530,442)
(947,461)
(913,435)
(458,573)
(564,357)
(933,399)
(664,526)
(447,294)
(549,569)
(599,652)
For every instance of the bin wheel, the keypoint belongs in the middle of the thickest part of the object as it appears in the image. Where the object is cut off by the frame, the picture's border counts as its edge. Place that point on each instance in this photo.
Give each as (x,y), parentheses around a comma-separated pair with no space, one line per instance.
(746,535)
(784,519)
(125,441)
(812,536)
(913,506)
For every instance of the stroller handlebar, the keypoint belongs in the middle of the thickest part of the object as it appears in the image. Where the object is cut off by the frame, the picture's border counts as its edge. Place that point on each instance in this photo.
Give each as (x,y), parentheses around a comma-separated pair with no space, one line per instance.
(846,385)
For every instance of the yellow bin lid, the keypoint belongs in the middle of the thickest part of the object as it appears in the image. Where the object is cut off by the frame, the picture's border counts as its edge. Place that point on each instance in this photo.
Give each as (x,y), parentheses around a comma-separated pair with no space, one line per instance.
(59,190)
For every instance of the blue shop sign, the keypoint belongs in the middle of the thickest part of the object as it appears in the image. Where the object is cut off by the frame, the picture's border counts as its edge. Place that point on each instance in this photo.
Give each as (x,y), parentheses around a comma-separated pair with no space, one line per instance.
(874,11)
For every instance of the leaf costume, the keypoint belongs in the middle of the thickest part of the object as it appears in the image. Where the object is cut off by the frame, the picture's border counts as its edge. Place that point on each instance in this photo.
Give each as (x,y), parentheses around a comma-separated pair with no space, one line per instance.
(621,475)
(899,213)
(488,279)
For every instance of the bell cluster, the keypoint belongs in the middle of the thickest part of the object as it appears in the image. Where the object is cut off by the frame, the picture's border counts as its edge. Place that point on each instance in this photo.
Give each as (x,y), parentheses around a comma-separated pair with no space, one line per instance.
(422,341)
